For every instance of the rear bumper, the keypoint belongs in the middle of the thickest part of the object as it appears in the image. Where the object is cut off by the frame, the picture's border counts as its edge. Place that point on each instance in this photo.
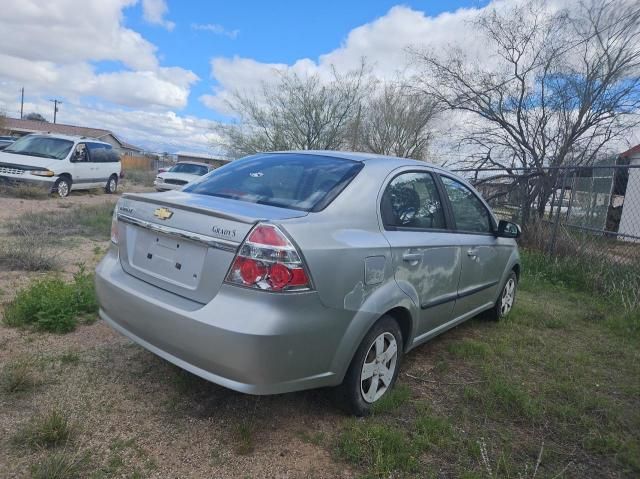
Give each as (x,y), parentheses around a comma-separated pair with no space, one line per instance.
(249,341)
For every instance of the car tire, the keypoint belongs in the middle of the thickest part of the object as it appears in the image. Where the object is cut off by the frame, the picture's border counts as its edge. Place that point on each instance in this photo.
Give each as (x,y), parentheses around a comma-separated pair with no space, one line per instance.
(506,300)
(112,185)
(374,356)
(62,186)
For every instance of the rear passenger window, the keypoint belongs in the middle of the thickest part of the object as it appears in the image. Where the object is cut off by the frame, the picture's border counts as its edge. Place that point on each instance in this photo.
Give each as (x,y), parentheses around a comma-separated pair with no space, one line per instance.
(102,153)
(411,201)
(469,212)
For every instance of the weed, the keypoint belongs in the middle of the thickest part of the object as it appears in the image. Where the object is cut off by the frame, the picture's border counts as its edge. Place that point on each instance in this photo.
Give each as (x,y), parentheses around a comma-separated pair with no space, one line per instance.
(48,430)
(17,377)
(28,251)
(244,437)
(92,221)
(393,399)
(468,349)
(141,177)
(24,191)
(70,357)
(316,438)
(51,304)
(59,465)
(432,431)
(379,448)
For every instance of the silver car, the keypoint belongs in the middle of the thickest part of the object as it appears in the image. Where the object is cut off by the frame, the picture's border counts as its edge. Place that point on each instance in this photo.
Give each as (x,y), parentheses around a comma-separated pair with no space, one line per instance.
(296,270)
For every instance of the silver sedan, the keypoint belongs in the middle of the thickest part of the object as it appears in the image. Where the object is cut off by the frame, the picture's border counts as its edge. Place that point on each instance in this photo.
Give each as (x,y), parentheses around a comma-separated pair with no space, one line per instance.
(296,270)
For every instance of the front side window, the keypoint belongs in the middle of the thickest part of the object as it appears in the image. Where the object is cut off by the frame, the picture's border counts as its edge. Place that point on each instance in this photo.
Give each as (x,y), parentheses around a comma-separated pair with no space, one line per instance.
(469,212)
(411,200)
(42,146)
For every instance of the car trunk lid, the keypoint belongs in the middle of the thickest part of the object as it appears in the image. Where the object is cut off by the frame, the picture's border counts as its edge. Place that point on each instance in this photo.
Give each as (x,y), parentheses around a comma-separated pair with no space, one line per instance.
(185,243)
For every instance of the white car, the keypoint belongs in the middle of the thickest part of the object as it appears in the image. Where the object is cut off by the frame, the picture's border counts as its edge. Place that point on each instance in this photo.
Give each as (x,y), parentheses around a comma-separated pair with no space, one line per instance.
(61,163)
(179,175)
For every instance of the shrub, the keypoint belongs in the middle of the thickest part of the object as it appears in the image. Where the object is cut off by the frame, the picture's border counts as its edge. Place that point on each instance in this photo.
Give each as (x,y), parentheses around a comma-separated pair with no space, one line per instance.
(51,304)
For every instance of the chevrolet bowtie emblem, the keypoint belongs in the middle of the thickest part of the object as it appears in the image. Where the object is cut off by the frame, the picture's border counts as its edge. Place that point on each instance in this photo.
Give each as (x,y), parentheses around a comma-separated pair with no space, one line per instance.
(163,213)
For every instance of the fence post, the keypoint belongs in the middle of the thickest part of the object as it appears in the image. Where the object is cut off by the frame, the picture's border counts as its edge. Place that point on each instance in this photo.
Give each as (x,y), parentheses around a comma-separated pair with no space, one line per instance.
(556,224)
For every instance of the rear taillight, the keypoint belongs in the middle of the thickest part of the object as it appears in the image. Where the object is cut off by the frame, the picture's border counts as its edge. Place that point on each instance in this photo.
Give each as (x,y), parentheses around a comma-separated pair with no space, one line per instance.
(114,226)
(267,260)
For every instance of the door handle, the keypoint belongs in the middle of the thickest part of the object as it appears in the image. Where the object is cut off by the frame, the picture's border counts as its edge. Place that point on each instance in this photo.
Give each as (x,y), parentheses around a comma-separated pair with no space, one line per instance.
(472,253)
(412,257)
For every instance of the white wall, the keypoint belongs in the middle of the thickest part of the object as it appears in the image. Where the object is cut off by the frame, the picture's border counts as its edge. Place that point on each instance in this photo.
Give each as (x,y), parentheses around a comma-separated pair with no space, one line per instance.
(630,219)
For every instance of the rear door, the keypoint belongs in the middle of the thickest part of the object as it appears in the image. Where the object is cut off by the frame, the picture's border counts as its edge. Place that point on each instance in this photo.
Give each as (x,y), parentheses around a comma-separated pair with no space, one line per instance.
(426,264)
(483,259)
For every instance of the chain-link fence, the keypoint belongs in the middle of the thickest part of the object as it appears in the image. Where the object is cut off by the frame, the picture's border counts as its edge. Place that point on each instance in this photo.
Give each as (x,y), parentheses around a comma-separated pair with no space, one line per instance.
(587,215)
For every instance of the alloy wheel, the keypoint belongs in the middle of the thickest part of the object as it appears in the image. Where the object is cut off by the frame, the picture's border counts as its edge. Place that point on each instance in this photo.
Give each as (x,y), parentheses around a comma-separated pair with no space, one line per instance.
(379,367)
(508,296)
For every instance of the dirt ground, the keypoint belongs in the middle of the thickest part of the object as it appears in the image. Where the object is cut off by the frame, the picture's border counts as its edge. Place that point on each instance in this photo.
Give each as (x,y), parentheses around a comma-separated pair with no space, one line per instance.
(136,414)
(485,400)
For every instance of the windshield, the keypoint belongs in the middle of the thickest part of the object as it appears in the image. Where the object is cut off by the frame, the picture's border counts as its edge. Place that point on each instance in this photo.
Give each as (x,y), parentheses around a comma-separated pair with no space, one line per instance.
(42,146)
(190,169)
(288,180)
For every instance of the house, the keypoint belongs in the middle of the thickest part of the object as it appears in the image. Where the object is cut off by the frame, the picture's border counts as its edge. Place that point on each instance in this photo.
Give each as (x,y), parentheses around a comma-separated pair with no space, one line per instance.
(214,161)
(18,127)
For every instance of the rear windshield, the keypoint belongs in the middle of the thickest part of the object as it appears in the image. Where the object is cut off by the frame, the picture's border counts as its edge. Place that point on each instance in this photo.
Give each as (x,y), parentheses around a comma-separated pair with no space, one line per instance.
(287,180)
(190,168)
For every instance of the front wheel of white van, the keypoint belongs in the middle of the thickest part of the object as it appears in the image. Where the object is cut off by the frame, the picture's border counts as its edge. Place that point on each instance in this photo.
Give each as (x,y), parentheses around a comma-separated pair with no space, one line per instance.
(62,186)
(112,185)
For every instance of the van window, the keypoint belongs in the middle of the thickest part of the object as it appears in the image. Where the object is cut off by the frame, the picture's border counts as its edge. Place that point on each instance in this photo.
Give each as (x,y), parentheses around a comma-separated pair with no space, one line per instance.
(102,153)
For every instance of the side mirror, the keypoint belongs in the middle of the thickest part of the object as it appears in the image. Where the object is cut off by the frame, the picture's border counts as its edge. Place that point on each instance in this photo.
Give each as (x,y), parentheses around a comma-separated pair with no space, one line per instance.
(507,229)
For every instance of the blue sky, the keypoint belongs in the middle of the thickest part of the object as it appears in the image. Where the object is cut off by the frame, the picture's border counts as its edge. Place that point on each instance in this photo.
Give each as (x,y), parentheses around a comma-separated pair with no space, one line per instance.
(157,72)
(269,32)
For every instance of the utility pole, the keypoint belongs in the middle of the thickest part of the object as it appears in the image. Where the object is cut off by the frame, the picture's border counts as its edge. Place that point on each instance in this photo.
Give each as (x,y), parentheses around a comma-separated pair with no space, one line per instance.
(56,102)
(21,102)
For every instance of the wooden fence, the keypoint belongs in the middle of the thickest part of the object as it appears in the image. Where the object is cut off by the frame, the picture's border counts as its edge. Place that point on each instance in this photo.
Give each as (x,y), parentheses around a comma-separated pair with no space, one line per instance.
(130,162)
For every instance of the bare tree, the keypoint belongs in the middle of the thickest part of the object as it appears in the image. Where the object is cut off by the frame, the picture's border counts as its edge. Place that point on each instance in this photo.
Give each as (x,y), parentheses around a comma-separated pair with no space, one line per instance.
(558,89)
(296,113)
(396,121)
(35,117)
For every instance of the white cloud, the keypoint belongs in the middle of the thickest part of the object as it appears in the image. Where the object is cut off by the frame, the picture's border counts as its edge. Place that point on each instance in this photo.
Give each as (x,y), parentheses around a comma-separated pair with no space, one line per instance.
(159,130)
(215,28)
(52,48)
(382,42)
(154,11)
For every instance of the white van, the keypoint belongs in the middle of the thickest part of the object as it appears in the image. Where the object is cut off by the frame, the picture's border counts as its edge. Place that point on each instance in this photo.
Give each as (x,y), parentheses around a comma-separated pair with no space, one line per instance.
(61,163)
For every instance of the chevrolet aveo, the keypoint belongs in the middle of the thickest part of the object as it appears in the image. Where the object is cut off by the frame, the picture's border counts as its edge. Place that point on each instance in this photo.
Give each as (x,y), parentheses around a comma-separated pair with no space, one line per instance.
(287,271)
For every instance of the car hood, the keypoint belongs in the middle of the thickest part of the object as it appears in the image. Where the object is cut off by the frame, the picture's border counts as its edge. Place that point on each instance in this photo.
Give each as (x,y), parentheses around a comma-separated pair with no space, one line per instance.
(178,176)
(30,162)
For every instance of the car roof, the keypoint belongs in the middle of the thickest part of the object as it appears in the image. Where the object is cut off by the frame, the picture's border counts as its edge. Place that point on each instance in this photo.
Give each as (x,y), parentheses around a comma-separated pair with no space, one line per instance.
(364,157)
(69,137)
(192,163)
